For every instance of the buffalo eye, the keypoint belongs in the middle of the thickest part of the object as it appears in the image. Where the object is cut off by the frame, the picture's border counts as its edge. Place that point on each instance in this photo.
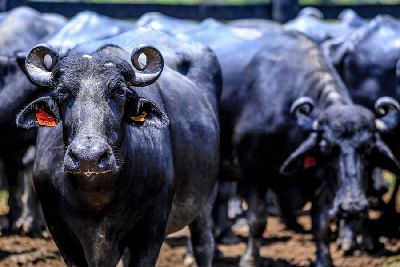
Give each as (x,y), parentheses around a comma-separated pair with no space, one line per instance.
(328,148)
(119,91)
(366,147)
(61,93)
(324,146)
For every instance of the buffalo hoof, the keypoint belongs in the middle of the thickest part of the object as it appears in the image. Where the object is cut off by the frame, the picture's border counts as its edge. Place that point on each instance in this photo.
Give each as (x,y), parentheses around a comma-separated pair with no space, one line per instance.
(346,245)
(24,225)
(189,260)
(228,238)
(372,245)
(27,227)
(4,224)
(324,262)
(249,260)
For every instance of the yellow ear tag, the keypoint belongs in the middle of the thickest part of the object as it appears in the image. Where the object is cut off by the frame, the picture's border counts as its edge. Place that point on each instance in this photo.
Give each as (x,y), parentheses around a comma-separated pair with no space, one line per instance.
(140,118)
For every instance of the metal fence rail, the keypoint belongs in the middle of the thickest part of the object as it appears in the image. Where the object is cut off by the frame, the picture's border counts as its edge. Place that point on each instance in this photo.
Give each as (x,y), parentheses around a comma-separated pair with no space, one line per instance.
(200,11)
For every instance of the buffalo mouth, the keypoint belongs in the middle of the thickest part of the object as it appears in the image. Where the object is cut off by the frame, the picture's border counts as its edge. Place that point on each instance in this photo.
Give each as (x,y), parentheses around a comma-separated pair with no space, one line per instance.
(91,175)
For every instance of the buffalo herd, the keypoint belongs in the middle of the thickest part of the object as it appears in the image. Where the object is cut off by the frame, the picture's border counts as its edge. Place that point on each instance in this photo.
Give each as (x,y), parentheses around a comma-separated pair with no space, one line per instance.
(117,133)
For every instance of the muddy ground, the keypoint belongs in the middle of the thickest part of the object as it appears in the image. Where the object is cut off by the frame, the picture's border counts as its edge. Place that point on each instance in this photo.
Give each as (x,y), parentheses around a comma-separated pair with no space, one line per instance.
(281,248)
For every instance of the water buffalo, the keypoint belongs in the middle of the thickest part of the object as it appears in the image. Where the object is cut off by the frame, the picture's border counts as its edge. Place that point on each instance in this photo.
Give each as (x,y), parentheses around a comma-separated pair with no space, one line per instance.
(310,22)
(331,153)
(366,60)
(18,91)
(124,166)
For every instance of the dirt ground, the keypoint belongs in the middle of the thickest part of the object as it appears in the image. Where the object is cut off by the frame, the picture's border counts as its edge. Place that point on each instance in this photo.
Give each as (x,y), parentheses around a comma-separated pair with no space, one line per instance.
(281,248)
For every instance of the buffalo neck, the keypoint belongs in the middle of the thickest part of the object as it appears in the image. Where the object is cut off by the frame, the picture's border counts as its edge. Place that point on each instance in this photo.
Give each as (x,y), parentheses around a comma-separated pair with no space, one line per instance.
(327,88)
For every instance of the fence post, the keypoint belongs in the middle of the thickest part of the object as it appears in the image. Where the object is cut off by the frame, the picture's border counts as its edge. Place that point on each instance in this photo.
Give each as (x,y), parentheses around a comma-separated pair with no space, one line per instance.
(284,10)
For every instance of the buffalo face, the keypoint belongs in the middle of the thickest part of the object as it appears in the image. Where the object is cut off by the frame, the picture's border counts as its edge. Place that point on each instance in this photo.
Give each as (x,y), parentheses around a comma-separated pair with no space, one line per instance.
(92,96)
(345,141)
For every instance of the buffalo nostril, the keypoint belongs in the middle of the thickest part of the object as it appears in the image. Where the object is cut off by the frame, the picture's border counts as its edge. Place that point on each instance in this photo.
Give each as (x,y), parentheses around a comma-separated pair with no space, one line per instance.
(74,159)
(103,160)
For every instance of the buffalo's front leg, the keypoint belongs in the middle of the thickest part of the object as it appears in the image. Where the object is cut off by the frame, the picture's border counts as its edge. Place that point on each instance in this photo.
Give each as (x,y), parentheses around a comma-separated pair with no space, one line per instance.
(321,231)
(347,237)
(145,239)
(144,252)
(223,226)
(257,217)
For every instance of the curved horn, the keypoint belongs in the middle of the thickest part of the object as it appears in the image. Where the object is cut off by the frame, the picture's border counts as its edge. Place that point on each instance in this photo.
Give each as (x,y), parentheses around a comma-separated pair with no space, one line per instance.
(389,110)
(154,65)
(37,71)
(302,108)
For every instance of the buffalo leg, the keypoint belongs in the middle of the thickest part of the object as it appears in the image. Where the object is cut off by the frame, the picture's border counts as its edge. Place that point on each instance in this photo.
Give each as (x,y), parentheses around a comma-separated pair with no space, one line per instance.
(203,242)
(347,236)
(223,226)
(13,179)
(257,218)
(146,239)
(144,252)
(30,220)
(321,231)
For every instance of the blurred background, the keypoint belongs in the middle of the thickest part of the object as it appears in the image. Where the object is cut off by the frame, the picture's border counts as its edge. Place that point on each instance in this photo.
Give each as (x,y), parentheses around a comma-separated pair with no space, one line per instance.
(303,2)
(278,10)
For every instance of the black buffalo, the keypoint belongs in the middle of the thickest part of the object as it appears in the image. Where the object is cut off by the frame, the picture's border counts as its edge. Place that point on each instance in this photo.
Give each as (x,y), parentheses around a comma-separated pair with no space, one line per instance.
(310,22)
(125,166)
(366,60)
(17,91)
(342,143)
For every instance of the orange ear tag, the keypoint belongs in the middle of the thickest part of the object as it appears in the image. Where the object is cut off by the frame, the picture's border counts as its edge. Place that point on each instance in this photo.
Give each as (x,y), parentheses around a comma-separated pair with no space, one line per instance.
(309,161)
(44,119)
(140,118)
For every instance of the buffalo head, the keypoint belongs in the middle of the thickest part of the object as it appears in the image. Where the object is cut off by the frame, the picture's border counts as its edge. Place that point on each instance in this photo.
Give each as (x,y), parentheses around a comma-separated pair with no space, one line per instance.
(94,98)
(345,142)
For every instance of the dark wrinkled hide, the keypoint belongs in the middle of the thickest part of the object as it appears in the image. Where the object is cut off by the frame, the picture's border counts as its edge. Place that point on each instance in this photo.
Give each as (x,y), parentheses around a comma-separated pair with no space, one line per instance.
(310,22)
(366,61)
(157,177)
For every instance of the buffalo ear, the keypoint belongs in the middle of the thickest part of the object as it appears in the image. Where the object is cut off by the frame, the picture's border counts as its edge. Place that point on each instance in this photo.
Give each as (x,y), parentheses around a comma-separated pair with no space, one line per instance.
(20,58)
(383,157)
(303,157)
(41,112)
(143,112)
